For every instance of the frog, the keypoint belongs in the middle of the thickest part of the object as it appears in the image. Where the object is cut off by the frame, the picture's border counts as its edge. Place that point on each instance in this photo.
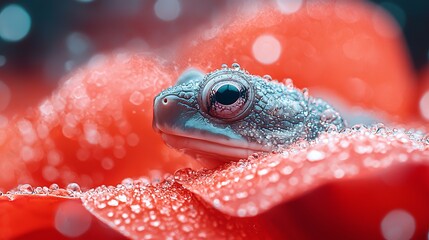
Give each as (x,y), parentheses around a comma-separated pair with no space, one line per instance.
(230,114)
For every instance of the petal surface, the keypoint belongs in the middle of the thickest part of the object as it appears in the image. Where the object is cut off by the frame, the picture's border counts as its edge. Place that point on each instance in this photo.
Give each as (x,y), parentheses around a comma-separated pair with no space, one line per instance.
(96,128)
(140,210)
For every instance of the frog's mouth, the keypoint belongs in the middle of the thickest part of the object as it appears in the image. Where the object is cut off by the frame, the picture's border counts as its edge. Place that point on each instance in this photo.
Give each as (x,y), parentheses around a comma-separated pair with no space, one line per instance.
(208,150)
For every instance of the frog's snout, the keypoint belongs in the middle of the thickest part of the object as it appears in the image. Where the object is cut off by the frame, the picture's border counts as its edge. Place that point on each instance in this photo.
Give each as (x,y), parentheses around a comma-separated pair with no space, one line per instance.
(165,111)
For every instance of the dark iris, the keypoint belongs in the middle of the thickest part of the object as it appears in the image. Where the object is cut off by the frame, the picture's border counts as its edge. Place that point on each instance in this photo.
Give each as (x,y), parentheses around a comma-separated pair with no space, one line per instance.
(227,94)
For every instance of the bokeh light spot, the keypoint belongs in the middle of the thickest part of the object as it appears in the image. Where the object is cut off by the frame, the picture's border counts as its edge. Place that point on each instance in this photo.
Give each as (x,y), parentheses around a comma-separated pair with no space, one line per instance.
(15,23)
(72,220)
(2,60)
(167,10)
(289,6)
(424,105)
(78,43)
(266,49)
(398,224)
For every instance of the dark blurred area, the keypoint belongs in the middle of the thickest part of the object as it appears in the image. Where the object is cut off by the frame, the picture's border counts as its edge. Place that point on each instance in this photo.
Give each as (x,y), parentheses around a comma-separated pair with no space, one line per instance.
(46,39)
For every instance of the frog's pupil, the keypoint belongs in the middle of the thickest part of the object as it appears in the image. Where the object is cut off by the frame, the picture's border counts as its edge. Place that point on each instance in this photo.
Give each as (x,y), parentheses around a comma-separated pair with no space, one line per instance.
(227,94)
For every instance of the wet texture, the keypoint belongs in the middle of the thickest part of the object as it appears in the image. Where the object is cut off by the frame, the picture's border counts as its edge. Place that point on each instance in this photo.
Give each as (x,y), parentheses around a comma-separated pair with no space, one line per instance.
(272,115)
(360,183)
(144,210)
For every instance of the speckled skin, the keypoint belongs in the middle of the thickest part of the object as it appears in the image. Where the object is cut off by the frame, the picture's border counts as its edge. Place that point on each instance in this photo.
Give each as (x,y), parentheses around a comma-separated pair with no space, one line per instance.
(277,116)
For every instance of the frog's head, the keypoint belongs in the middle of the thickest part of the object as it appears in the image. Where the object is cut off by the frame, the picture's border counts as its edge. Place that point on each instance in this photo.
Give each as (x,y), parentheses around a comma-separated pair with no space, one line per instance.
(229,114)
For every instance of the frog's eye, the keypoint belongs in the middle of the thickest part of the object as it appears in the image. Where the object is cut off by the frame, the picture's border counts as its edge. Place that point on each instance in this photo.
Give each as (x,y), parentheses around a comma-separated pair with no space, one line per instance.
(227,97)
(226,94)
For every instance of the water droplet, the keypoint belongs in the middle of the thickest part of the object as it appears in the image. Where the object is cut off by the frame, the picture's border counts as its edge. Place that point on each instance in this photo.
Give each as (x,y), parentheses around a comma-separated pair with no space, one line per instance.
(315,155)
(224,66)
(39,190)
(101,205)
(241,195)
(263,171)
(332,128)
(25,189)
(305,92)
(74,187)
(236,66)
(155,223)
(183,175)
(187,228)
(113,203)
(122,198)
(267,77)
(128,182)
(287,170)
(274,177)
(380,128)
(328,116)
(289,83)
(135,208)
(358,127)
(54,187)
(425,139)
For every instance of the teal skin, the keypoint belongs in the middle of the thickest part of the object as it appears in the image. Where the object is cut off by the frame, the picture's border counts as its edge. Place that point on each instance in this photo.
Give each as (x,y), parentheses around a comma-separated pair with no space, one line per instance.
(229,114)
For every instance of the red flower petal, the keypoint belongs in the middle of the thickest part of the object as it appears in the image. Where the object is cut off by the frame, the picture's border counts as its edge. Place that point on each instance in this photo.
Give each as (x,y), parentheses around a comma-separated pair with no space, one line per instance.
(98,123)
(166,210)
(349,49)
(48,213)
(253,186)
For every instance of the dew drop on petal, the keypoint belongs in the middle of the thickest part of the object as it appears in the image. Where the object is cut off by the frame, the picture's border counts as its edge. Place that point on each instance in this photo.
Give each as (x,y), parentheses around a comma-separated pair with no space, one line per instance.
(398,224)
(25,189)
(54,187)
(266,49)
(113,203)
(103,205)
(289,6)
(122,198)
(135,208)
(183,175)
(73,187)
(315,155)
(287,170)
